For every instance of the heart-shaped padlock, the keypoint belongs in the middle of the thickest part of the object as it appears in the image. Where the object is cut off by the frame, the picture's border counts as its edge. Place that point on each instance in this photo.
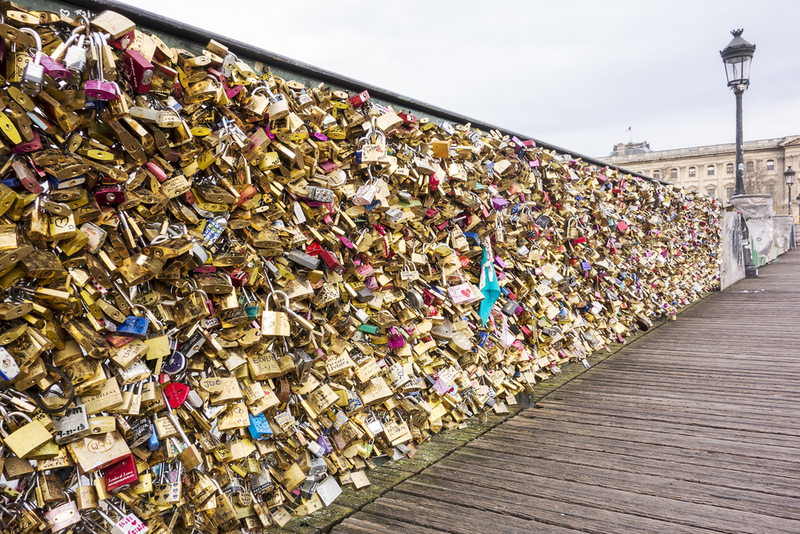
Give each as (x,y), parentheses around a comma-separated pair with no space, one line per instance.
(177,394)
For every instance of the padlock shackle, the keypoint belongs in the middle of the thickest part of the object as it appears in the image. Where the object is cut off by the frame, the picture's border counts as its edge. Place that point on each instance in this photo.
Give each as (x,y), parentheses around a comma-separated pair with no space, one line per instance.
(262,88)
(174,419)
(93,44)
(38,40)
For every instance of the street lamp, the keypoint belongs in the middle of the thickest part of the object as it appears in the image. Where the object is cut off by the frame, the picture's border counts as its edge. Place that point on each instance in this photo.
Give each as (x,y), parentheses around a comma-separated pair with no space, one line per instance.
(737,57)
(788,175)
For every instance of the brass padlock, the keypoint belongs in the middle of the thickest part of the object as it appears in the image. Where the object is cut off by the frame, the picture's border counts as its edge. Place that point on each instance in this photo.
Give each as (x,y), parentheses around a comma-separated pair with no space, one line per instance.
(26,439)
(274,323)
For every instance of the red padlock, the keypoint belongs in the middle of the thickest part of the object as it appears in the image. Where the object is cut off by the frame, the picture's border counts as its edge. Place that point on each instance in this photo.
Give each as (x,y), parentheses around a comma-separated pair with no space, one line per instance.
(26,177)
(176,393)
(408,119)
(137,71)
(358,100)
(109,196)
(239,277)
(121,474)
(434,182)
(332,261)
(123,41)
(327,166)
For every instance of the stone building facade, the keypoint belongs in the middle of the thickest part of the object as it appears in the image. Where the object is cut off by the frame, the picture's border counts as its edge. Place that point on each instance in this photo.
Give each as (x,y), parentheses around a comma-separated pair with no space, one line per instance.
(711,169)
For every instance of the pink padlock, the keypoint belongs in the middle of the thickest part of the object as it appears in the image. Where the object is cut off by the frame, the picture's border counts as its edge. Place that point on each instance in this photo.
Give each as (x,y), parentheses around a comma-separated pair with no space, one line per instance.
(31,146)
(371,283)
(327,166)
(54,69)
(396,340)
(157,171)
(364,271)
(99,89)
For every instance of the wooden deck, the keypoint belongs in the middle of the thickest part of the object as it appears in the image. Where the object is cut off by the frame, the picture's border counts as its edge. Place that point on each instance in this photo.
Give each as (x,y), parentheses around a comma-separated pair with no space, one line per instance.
(692,428)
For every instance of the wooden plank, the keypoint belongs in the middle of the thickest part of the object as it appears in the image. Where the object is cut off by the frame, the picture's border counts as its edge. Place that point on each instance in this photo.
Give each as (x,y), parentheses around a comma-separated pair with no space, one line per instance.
(674,428)
(450,517)
(655,437)
(572,445)
(553,511)
(623,459)
(366,523)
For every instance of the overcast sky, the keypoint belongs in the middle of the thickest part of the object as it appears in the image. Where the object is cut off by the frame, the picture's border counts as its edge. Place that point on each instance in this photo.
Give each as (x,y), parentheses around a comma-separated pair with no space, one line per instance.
(572,73)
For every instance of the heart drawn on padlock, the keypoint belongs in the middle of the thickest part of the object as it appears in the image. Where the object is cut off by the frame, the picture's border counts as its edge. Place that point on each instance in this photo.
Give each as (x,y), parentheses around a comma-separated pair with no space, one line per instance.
(176,394)
(466,292)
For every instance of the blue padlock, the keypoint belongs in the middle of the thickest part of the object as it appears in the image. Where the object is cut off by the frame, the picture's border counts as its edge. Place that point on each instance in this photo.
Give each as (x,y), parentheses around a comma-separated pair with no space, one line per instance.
(259,427)
(484,337)
(358,156)
(11,182)
(134,326)
(66,184)
(472,238)
(152,441)
(94,103)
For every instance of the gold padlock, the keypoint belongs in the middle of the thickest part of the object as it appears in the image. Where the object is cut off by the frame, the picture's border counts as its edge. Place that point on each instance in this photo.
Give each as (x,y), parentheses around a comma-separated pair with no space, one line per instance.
(274,323)
(25,439)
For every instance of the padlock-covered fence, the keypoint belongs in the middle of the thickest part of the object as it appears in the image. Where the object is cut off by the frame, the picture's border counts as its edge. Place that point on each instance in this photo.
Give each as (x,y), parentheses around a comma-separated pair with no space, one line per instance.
(229,293)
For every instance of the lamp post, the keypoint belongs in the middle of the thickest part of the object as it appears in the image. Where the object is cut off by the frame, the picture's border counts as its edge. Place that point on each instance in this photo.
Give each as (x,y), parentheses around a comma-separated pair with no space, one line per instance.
(788,176)
(737,57)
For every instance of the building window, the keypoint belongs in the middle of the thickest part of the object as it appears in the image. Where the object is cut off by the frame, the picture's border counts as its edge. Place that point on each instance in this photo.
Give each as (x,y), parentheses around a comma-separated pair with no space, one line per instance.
(729,192)
(673,174)
(729,168)
(711,192)
(710,170)
(656,174)
(770,164)
(692,172)
(750,166)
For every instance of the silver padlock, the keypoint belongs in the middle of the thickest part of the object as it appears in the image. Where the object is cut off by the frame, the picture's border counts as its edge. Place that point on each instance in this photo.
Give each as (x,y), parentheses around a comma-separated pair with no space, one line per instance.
(360,314)
(33,75)
(320,194)
(72,426)
(308,489)
(414,299)
(9,370)
(317,467)
(393,214)
(303,259)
